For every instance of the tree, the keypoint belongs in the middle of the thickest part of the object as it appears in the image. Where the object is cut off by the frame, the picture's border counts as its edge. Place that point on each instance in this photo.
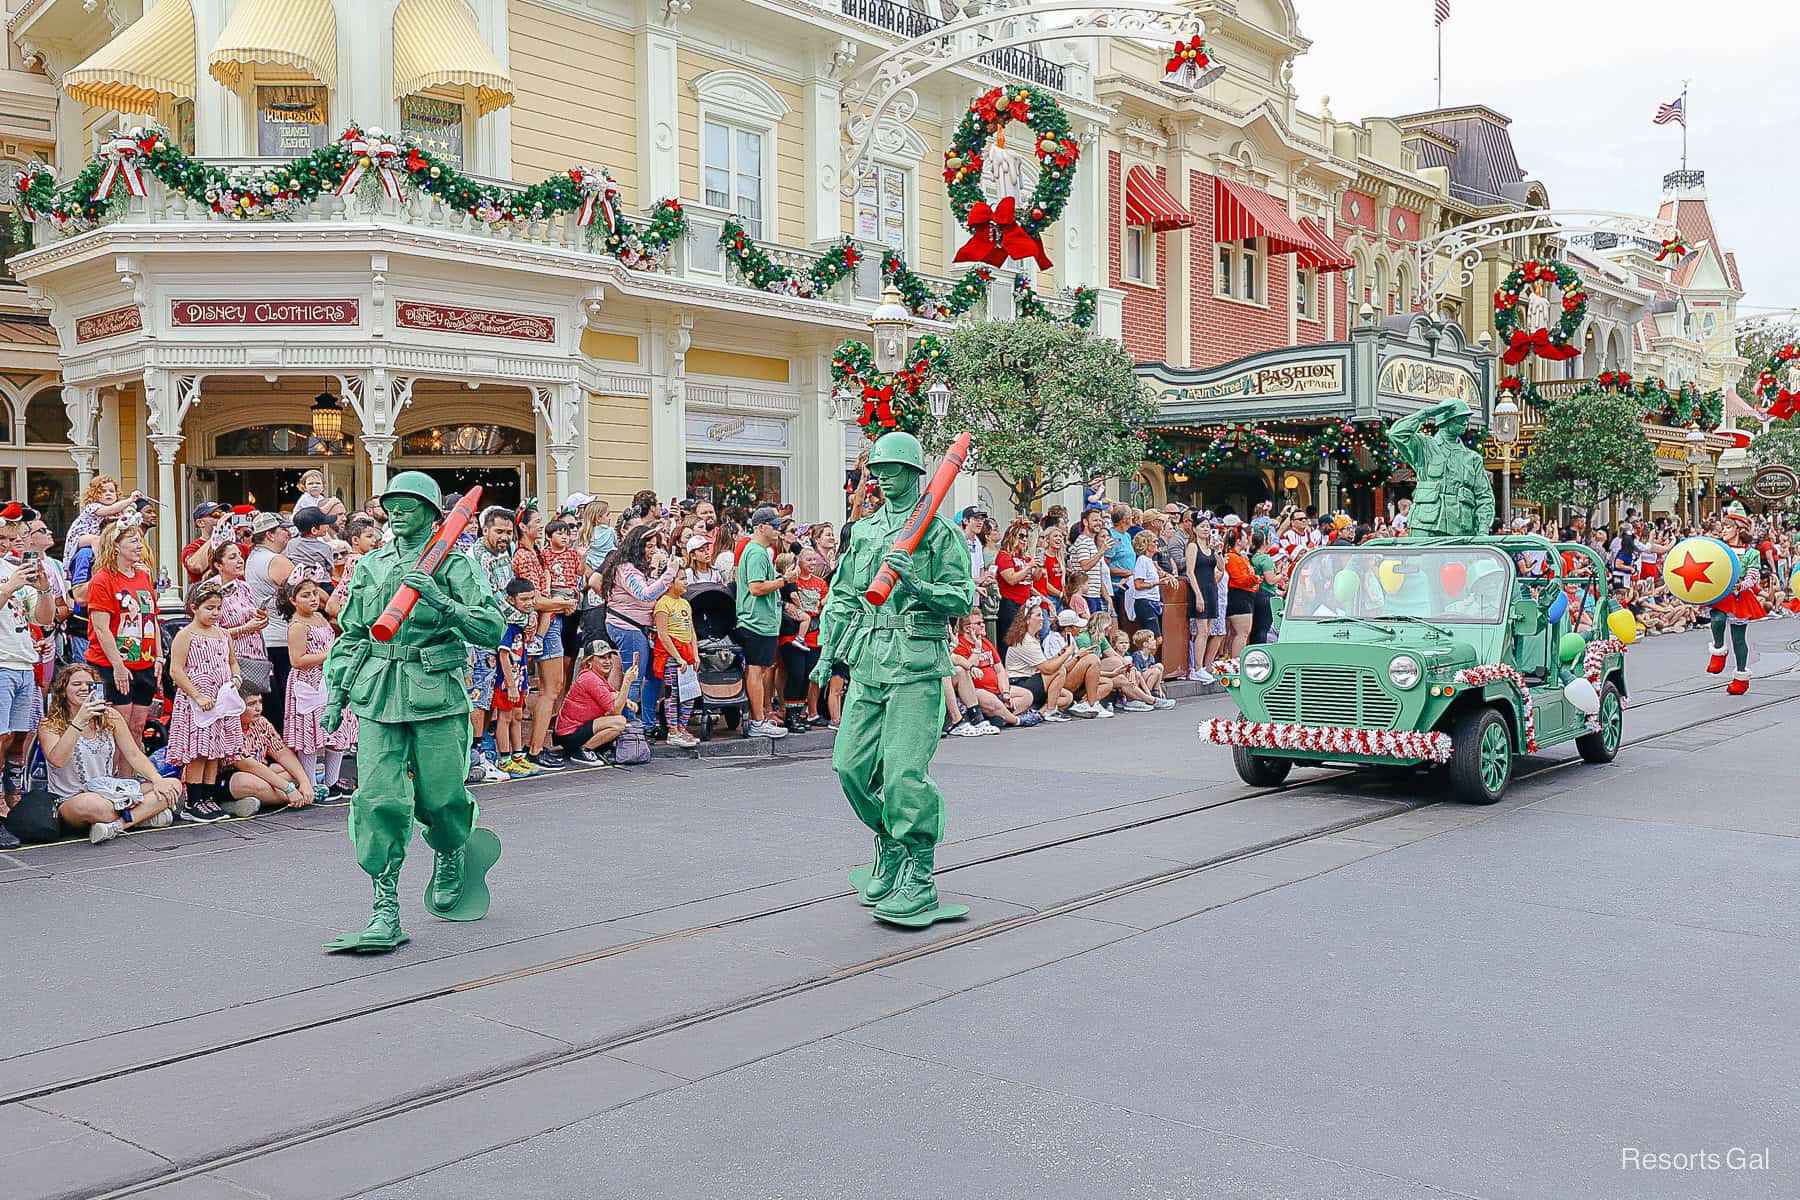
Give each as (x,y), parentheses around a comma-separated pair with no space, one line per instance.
(1780,445)
(1049,405)
(1593,445)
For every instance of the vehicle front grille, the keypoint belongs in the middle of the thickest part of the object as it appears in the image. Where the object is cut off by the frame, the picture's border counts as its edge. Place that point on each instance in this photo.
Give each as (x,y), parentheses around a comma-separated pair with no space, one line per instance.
(1349,697)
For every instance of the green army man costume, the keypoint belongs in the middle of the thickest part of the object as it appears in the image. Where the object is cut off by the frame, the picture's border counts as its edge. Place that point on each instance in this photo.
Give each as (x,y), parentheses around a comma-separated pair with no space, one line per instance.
(412,747)
(898,655)
(1452,497)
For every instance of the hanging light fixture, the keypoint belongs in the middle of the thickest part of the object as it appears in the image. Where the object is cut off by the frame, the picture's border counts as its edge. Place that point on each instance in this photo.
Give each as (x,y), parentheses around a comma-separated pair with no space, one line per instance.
(843,403)
(937,399)
(890,324)
(327,418)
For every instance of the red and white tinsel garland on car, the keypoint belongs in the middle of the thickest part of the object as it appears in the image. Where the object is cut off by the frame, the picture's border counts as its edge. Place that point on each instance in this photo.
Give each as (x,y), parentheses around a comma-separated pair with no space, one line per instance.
(1403,745)
(1484,675)
(1595,659)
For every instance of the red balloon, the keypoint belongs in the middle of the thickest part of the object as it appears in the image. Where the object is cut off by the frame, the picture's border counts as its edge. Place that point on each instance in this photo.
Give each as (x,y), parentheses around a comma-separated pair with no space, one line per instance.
(1455,577)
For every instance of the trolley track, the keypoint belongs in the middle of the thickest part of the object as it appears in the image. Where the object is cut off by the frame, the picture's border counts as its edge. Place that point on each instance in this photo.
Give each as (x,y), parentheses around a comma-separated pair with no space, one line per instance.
(536,1065)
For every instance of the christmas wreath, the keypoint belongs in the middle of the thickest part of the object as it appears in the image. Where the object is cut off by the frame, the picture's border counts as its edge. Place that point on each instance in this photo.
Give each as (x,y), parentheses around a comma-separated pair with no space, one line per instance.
(765,274)
(1000,232)
(1686,405)
(360,161)
(890,401)
(1554,343)
(1772,383)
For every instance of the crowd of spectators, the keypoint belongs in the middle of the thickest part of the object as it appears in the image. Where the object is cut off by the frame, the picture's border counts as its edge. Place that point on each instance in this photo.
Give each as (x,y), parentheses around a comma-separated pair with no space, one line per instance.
(115,716)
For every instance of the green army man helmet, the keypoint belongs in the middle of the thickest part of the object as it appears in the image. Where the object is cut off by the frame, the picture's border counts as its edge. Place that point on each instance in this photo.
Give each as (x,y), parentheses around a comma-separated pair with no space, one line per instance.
(901,447)
(418,485)
(1451,412)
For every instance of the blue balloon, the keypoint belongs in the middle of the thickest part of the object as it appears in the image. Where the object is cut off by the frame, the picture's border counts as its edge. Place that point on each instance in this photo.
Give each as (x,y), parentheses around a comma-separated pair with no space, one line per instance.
(1559,607)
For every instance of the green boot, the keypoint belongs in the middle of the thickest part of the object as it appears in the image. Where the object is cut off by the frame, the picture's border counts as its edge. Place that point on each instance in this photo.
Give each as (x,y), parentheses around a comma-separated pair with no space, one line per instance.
(446,881)
(458,889)
(384,932)
(878,880)
(916,891)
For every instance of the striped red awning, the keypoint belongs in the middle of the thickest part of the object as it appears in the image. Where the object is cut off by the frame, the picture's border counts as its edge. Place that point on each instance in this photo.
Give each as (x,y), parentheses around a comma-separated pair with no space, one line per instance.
(1241,211)
(1148,202)
(1324,256)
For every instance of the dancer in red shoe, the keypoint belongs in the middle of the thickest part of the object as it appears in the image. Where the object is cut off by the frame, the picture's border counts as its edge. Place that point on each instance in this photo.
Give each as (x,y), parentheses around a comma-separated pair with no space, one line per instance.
(1736,611)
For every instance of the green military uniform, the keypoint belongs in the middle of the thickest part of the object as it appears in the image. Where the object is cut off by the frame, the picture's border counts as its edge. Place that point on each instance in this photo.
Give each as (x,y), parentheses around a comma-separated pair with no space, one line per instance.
(412,750)
(1452,497)
(898,655)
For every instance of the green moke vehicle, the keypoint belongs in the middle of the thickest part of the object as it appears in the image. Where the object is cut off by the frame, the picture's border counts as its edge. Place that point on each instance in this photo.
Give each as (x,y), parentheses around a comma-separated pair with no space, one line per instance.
(1427,651)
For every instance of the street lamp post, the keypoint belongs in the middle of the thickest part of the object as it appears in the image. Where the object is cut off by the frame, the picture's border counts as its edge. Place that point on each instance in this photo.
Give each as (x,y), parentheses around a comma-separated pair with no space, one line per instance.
(1696,454)
(1506,432)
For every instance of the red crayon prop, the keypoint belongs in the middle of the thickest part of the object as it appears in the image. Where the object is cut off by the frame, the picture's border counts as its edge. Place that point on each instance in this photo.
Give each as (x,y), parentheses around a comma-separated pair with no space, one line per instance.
(388,624)
(922,512)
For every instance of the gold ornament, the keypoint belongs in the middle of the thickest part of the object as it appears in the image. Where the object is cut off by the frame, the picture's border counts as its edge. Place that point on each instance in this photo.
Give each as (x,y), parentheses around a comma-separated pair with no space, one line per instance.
(953,162)
(436,171)
(363,161)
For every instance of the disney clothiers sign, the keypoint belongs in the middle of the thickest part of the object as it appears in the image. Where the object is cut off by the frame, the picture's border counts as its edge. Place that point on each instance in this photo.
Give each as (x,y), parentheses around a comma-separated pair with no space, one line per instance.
(263,312)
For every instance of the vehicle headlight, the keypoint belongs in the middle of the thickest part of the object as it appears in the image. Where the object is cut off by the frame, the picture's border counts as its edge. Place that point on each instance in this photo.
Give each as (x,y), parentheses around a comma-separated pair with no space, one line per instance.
(1404,671)
(1258,666)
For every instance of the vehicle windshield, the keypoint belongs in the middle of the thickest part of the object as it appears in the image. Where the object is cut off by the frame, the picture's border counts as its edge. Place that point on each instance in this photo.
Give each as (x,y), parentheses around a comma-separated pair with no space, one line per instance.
(1449,585)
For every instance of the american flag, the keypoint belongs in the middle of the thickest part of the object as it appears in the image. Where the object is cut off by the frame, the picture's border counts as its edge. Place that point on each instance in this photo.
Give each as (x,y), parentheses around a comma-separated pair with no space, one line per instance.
(1443,11)
(1671,112)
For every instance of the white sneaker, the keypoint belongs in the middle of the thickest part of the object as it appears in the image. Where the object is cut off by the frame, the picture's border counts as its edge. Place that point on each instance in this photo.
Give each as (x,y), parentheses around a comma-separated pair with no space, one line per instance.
(247,806)
(768,729)
(161,820)
(1058,716)
(105,831)
(1162,702)
(1206,677)
(1138,706)
(1083,708)
(964,729)
(488,771)
(1102,711)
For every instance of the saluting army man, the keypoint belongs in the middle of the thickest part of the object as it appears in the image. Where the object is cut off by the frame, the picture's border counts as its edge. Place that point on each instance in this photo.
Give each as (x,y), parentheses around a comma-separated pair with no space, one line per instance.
(412,748)
(898,655)
(1452,497)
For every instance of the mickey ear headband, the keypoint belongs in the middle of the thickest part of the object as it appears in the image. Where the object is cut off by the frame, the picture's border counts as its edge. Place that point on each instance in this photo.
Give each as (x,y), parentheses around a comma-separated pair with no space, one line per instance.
(131,518)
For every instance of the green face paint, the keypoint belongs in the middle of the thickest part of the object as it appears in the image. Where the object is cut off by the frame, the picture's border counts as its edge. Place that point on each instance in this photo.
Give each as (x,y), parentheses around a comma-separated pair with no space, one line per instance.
(899,483)
(411,520)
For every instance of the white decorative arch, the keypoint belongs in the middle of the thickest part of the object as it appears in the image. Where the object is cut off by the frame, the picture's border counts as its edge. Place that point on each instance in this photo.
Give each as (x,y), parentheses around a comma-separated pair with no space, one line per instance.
(739,93)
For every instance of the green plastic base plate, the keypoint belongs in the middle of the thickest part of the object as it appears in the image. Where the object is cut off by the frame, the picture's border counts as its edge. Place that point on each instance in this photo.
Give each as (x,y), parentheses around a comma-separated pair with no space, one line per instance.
(360,943)
(859,879)
(931,916)
(480,853)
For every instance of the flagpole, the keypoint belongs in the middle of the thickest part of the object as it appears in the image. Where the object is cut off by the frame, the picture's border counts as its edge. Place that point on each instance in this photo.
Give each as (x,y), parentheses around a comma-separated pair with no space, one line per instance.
(1684,125)
(1440,65)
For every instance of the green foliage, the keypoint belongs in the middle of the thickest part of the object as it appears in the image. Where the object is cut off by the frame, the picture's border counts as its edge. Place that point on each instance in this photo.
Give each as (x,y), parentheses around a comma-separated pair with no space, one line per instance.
(1593,445)
(765,274)
(1780,446)
(1048,404)
(1760,344)
(1054,146)
(921,301)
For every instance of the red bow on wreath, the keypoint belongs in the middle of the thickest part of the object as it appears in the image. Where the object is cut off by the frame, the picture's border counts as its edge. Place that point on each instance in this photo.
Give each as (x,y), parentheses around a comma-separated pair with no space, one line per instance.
(1524,345)
(1785,406)
(995,237)
(878,406)
(1185,53)
(1674,246)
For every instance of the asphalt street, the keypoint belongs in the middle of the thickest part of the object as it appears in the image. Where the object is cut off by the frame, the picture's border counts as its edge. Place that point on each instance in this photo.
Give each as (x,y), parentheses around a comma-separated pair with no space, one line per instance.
(1170,986)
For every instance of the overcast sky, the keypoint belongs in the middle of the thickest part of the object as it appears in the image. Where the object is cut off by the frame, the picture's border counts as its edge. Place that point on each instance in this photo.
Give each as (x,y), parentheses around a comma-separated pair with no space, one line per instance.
(1581,80)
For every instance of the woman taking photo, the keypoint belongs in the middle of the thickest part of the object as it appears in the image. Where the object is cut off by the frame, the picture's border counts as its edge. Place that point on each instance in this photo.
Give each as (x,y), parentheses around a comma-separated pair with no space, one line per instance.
(1041,675)
(1015,574)
(1268,586)
(82,740)
(1201,566)
(1240,595)
(636,576)
(125,649)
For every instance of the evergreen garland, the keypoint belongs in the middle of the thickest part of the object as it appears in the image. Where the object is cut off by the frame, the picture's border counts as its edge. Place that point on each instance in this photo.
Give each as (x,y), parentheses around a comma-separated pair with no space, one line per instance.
(1352,444)
(764,274)
(1030,305)
(922,301)
(273,192)
(891,401)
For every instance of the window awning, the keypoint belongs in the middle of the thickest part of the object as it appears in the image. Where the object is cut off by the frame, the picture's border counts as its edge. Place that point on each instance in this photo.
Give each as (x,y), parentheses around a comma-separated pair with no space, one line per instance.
(1241,211)
(1325,255)
(152,59)
(299,34)
(436,42)
(1148,202)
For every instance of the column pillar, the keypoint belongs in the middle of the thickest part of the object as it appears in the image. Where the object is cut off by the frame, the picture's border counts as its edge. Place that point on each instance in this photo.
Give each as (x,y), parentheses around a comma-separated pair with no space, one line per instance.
(668,405)
(560,408)
(377,398)
(818,442)
(659,129)
(380,449)
(824,206)
(83,407)
(167,398)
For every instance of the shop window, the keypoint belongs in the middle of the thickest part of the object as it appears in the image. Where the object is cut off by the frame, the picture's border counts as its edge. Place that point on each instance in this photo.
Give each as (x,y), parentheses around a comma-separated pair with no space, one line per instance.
(740,485)
(1140,254)
(882,202)
(469,440)
(266,441)
(1241,266)
(184,125)
(437,125)
(734,172)
(52,491)
(1306,293)
(290,120)
(46,420)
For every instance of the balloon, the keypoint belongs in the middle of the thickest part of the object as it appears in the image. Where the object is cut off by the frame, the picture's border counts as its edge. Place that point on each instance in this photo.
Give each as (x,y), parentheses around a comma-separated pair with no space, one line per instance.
(1571,647)
(1624,626)
(1390,576)
(1582,695)
(1344,585)
(1701,571)
(1559,608)
(1455,578)
(1794,582)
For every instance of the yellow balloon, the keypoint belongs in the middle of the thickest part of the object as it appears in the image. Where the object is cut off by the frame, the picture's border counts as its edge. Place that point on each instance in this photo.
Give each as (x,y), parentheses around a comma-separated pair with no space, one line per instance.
(1390,576)
(1624,626)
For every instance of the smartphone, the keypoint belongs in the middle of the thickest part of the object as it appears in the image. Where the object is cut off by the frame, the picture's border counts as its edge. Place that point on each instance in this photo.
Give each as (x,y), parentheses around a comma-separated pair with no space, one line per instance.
(31,556)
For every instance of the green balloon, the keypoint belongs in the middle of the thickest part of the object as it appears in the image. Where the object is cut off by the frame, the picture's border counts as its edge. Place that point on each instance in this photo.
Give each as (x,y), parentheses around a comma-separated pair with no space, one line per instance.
(1571,647)
(1344,585)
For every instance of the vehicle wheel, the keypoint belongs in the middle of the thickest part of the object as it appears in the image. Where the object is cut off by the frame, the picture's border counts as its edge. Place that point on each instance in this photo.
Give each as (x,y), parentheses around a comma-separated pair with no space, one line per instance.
(1258,770)
(706,727)
(1603,747)
(731,718)
(1481,762)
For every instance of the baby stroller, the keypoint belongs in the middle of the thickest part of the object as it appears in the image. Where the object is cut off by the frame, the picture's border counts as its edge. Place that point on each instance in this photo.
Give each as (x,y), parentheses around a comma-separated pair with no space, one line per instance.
(721,670)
